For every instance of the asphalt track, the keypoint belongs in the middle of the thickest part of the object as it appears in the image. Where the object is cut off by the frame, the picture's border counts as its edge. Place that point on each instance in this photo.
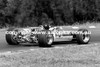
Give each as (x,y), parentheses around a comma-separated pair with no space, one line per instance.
(4,47)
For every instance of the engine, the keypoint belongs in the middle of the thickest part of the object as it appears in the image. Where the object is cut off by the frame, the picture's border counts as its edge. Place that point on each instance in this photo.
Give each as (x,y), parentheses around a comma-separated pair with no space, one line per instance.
(25,35)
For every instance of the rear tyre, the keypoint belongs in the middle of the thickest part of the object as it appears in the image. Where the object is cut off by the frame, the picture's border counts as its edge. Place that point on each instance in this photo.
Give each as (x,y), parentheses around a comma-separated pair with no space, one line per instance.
(83,38)
(9,38)
(45,40)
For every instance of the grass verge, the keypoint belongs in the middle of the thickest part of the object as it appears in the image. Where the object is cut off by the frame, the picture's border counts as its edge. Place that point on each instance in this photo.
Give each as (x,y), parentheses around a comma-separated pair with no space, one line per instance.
(88,24)
(69,56)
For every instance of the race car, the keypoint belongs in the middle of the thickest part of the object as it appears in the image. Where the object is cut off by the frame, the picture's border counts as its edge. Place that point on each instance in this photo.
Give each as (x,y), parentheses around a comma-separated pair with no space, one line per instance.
(46,36)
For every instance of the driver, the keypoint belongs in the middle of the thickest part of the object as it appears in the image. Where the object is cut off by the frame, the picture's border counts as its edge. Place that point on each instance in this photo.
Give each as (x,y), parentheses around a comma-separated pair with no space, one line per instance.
(45,26)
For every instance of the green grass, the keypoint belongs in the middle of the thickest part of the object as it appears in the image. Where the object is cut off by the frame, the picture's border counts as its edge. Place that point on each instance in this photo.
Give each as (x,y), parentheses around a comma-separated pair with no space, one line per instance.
(87,24)
(69,56)
(75,24)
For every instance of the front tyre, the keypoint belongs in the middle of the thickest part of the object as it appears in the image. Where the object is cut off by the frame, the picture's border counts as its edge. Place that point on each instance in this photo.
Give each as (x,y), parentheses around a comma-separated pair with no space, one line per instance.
(9,38)
(84,37)
(45,40)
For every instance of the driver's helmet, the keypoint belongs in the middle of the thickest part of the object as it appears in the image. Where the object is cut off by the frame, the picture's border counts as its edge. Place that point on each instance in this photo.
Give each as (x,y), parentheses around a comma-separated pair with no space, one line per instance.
(46,27)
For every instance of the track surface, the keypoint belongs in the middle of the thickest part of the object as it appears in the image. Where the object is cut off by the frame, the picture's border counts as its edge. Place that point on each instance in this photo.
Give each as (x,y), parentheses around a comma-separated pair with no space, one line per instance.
(95,38)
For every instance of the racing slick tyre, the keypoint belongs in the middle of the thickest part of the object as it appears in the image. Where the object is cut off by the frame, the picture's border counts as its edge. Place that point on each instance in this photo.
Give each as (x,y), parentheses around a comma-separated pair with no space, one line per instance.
(45,40)
(9,38)
(83,38)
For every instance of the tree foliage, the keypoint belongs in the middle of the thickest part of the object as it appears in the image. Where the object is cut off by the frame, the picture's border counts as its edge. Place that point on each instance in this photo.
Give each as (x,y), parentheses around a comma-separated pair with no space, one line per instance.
(55,12)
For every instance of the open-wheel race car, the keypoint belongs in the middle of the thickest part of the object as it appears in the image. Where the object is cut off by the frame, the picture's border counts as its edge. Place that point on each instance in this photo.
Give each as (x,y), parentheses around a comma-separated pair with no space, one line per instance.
(46,37)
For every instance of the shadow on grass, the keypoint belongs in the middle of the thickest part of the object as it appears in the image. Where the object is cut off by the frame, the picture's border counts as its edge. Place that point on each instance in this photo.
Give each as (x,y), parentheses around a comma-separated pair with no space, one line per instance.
(62,43)
(54,44)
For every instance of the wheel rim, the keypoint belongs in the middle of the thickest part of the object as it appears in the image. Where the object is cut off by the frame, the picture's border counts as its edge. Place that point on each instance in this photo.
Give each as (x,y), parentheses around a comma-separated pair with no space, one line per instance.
(50,40)
(86,37)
